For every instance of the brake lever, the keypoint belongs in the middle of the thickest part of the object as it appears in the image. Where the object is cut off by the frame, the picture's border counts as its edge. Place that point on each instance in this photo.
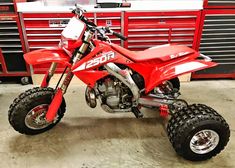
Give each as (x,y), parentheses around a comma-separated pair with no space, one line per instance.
(119,35)
(101,31)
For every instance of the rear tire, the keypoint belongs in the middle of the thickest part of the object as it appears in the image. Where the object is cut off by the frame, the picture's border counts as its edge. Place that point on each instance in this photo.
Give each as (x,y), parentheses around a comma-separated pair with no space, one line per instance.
(34,102)
(198,132)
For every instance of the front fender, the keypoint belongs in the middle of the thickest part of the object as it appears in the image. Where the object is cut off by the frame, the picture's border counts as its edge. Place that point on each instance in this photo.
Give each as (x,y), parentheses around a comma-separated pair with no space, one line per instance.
(46,56)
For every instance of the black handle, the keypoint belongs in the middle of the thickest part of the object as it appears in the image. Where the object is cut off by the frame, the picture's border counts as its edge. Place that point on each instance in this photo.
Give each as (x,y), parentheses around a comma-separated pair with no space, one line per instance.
(119,35)
(87,21)
(116,34)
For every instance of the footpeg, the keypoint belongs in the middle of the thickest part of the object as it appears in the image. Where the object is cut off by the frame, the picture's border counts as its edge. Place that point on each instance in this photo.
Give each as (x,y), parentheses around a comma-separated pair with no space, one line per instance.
(137,112)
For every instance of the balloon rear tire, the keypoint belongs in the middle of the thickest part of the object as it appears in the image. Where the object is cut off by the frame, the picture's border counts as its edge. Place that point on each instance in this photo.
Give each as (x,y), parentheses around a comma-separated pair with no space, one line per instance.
(185,123)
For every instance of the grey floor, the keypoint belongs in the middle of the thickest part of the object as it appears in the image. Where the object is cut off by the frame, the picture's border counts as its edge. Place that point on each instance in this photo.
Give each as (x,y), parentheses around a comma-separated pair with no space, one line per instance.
(91,138)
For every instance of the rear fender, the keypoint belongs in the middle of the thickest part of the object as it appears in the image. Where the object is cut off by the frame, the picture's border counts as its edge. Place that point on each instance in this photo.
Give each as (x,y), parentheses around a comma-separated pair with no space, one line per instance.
(168,72)
(42,56)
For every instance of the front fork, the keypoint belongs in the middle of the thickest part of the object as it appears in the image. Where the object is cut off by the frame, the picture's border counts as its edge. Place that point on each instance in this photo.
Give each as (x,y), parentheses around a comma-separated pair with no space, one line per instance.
(49,75)
(58,97)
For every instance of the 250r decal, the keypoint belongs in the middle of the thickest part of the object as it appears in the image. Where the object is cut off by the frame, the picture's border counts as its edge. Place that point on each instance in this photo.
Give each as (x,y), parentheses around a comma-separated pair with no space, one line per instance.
(96,61)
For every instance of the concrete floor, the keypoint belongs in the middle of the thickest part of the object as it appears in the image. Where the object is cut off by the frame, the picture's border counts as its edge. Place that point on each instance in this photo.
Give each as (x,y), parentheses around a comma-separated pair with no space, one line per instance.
(91,138)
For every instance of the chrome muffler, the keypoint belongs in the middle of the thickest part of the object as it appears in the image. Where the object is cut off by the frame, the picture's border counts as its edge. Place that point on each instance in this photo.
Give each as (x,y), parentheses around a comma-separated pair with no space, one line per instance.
(155,102)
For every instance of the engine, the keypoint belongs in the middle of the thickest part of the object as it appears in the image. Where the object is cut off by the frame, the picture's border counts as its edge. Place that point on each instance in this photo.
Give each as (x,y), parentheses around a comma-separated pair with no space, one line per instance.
(114,93)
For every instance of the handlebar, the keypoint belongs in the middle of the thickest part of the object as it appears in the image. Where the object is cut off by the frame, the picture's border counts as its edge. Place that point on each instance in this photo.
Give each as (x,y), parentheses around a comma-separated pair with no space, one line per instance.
(79,11)
(119,35)
(87,21)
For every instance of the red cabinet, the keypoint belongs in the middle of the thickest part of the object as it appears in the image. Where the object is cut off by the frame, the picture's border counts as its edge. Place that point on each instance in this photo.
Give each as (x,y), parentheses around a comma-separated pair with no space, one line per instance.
(149,29)
(11,42)
(43,30)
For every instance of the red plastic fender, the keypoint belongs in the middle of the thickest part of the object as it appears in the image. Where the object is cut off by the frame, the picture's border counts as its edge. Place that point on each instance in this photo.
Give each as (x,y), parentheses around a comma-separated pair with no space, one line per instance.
(42,56)
(170,71)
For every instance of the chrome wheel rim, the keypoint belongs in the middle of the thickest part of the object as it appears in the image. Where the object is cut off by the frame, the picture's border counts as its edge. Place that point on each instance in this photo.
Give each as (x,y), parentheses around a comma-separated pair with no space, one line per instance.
(35,119)
(204,141)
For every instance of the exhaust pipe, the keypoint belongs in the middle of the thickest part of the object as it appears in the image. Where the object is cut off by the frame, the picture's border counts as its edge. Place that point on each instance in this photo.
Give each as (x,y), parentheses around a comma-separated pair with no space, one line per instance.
(153,101)
(125,77)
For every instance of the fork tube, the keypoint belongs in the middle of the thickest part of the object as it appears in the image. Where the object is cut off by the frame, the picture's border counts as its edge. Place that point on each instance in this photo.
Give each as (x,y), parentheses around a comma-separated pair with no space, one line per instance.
(49,75)
(83,48)
(77,57)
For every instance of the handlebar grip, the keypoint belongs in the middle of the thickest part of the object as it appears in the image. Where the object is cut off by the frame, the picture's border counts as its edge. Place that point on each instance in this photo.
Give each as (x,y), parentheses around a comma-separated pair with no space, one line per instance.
(119,35)
(87,21)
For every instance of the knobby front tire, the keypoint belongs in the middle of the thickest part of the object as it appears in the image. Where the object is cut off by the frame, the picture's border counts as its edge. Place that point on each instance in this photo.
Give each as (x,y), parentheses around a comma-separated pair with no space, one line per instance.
(33,103)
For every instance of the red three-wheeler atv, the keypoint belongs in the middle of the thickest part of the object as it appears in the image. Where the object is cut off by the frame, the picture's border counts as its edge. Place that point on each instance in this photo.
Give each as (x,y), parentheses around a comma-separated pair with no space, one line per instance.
(122,81)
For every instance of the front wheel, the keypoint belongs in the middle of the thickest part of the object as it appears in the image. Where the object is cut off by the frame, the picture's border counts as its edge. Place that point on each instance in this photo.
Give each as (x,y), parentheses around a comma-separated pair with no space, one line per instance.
(27,113)
(198,132)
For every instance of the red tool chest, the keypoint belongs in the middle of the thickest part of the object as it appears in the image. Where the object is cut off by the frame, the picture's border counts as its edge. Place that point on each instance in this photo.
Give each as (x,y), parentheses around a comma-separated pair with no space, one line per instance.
(149,29)
(44,30)
(11,42)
